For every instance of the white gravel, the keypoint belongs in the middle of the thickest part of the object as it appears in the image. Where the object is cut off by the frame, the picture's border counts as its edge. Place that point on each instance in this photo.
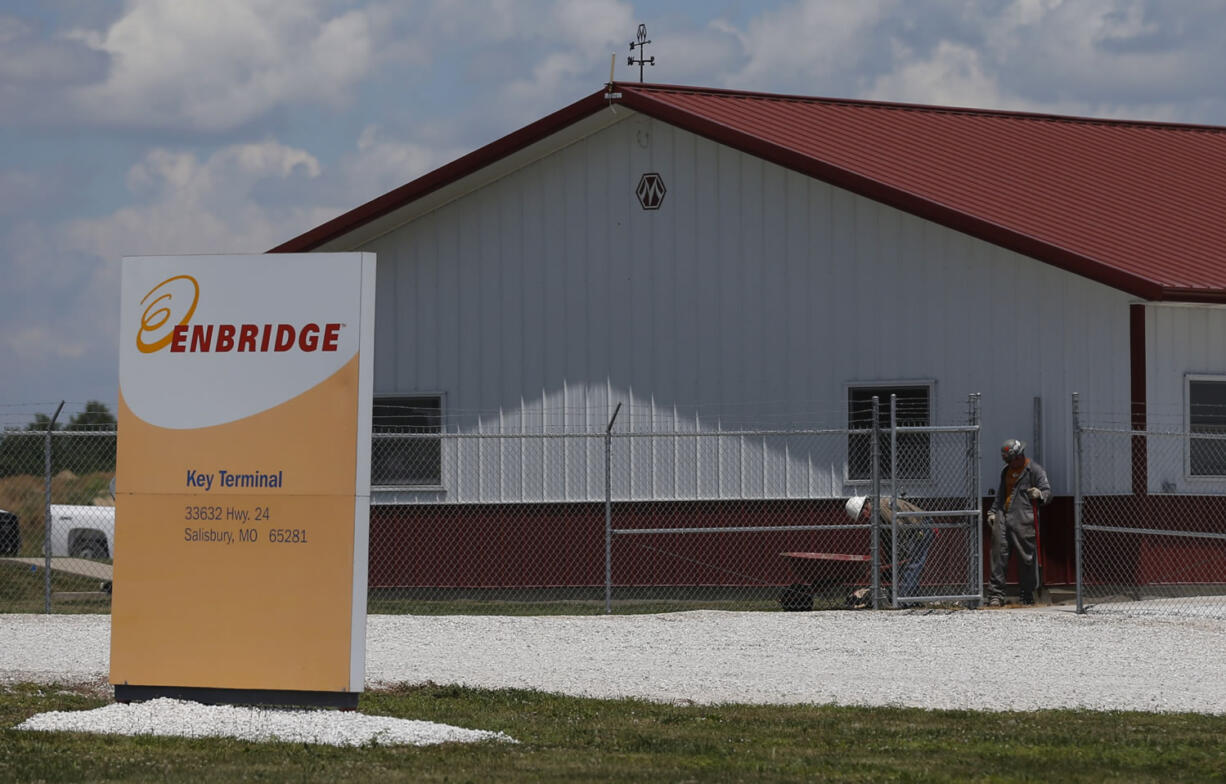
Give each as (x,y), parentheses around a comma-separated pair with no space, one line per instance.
(1025,659)
(193,720)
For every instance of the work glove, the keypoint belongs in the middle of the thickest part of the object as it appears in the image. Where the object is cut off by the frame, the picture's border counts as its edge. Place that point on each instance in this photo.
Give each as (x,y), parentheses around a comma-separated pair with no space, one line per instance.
(1035,494)
(991,518)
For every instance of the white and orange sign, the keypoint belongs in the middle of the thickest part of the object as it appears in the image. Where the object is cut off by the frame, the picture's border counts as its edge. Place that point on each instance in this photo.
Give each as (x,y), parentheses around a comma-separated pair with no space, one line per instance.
(243,472)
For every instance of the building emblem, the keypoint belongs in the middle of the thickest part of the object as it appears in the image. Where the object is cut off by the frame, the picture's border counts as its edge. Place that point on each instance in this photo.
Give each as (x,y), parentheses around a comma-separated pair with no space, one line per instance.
(651,191)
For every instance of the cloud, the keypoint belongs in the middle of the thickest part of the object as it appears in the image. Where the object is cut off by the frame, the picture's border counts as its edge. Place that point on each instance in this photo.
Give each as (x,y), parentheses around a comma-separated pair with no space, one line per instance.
(1140,59)
(24,57)
(191,205)
(381,162)
(26,191)
(317,106)
(568,47)
(953,75)
(1108,53)
(59,312)
(60,301)
(218,67)
(33,68)
(701,56)
(215,66)
(31,342)
(806,46)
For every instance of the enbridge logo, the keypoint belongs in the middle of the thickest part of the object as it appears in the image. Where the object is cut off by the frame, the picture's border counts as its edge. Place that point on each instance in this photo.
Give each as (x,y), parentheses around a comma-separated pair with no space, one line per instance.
(172,295)
(180,295)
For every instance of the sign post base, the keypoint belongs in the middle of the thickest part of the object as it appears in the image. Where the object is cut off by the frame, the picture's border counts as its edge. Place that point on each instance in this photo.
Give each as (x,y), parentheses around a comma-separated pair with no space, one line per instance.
(345,700)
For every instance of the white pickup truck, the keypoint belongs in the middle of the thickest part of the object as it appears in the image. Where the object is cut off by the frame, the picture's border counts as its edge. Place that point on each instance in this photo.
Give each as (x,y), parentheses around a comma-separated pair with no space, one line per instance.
(82,531)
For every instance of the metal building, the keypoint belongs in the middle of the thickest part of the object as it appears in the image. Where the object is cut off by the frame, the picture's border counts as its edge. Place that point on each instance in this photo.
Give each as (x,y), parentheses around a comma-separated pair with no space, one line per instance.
(714,259)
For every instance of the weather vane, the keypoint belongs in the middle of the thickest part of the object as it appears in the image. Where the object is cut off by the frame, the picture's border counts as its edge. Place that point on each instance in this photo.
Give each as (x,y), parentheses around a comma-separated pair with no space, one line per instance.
(641,41)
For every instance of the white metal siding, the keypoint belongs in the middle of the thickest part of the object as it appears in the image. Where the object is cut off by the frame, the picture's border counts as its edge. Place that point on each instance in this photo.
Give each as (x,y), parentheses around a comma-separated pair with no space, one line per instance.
(751,298)
(1179,340)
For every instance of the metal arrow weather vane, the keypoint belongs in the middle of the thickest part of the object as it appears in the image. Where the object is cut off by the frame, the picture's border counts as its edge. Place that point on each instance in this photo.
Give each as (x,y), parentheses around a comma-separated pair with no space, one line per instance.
(640,42)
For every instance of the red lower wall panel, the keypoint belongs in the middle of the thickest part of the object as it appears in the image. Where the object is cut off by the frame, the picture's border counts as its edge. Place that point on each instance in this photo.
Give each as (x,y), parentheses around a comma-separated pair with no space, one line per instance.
(562,545)
(1056,537)
(1138,559)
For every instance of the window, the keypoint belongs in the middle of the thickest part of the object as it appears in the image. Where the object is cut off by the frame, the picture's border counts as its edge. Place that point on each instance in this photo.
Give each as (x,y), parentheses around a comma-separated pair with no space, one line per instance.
(913,407)
(400,455)
(1207,414)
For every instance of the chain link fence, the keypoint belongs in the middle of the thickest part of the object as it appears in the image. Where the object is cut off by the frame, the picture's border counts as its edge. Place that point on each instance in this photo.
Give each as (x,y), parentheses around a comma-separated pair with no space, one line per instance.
(578,522)
(57,518)
(652,521)
(1151,520)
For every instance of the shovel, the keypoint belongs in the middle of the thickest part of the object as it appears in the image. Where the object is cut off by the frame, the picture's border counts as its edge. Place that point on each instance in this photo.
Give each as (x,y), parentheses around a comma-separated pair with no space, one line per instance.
(1038,553)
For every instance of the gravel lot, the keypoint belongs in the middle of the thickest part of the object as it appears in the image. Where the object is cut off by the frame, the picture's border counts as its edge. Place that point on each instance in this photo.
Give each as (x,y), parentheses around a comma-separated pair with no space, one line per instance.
(1024,659)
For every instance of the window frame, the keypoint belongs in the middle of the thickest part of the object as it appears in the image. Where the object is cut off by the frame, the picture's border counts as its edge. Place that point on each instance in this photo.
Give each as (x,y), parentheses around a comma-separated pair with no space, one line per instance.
(929,385)
(423,486)
(1188,380)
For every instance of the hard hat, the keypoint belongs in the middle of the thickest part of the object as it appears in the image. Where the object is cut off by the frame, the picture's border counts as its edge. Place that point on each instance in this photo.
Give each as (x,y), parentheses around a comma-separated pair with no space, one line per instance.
(854,505)
(1011,448)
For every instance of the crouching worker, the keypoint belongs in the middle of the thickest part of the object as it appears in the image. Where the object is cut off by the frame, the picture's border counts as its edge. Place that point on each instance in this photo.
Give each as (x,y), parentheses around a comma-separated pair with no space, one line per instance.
(1023,486)
(913,542)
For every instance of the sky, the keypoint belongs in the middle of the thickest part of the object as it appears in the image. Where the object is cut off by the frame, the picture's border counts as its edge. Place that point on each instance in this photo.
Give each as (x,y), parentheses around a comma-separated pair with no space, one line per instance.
(148,127)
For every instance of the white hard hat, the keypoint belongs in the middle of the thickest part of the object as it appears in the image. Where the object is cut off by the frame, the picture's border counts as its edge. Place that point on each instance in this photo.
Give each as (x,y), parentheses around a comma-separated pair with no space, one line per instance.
(854,505)
(1011,449)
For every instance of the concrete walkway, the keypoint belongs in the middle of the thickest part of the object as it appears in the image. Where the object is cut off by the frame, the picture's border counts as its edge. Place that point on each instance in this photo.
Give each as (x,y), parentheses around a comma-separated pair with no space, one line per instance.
(78,566)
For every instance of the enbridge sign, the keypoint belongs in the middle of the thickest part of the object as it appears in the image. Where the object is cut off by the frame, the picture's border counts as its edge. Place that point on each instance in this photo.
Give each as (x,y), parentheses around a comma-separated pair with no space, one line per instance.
(243,492)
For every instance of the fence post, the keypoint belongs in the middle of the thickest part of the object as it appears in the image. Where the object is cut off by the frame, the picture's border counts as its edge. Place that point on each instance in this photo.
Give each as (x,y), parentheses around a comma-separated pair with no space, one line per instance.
(47,511)
(1078,534)
(875,528)
(894,501)
(975,556)
(1036,447)
(608,513)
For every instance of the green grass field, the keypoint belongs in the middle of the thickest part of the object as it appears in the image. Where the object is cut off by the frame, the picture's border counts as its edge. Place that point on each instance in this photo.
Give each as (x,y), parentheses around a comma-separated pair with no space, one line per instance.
(569,739)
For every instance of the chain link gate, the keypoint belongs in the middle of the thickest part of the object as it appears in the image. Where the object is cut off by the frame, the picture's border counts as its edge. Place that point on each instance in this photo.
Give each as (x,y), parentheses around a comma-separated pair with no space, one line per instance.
(756,518)
(741,519)
(1150,520)
(937,548)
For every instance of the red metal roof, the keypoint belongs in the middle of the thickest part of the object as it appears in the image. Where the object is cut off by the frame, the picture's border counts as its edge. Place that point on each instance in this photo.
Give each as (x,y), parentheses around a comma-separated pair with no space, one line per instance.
(1139,206)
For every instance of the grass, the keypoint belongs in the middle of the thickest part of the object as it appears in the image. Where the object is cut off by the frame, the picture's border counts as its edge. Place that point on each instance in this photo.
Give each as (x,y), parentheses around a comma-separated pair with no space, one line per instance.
(500,606)
(574,606)
(571,739)
(626,600)
(22,590)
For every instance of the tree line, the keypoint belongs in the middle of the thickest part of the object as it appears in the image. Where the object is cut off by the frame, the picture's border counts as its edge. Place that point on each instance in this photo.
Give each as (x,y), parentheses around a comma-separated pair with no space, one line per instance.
(21,452)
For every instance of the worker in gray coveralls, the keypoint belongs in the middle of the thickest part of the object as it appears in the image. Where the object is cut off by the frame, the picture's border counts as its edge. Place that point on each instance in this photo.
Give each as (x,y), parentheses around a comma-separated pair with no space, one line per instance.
(913,542)
(1023,485)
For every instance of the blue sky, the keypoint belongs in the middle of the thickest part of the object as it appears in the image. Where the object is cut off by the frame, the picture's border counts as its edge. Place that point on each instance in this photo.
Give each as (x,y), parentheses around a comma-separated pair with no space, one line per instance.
(142,127)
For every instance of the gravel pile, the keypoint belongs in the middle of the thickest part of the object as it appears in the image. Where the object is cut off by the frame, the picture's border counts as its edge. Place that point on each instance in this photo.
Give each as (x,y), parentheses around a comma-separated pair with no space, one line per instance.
(193,720)
(994,660)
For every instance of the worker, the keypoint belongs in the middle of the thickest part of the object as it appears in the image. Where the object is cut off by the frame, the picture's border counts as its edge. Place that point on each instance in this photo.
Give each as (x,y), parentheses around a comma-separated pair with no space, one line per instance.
(913,541)
(1011,520)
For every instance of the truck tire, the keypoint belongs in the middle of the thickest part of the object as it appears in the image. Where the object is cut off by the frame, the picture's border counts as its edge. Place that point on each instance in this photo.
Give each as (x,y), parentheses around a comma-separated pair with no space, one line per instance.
(90,547)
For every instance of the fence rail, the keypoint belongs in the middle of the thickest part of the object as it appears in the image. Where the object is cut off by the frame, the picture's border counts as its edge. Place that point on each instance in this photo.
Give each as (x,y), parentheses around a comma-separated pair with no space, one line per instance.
(1150,508)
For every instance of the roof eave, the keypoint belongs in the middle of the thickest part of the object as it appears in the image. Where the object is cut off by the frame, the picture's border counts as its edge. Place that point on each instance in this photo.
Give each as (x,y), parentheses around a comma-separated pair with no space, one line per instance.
(643,101)
(1192,294)
(443,176)
(900,199)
